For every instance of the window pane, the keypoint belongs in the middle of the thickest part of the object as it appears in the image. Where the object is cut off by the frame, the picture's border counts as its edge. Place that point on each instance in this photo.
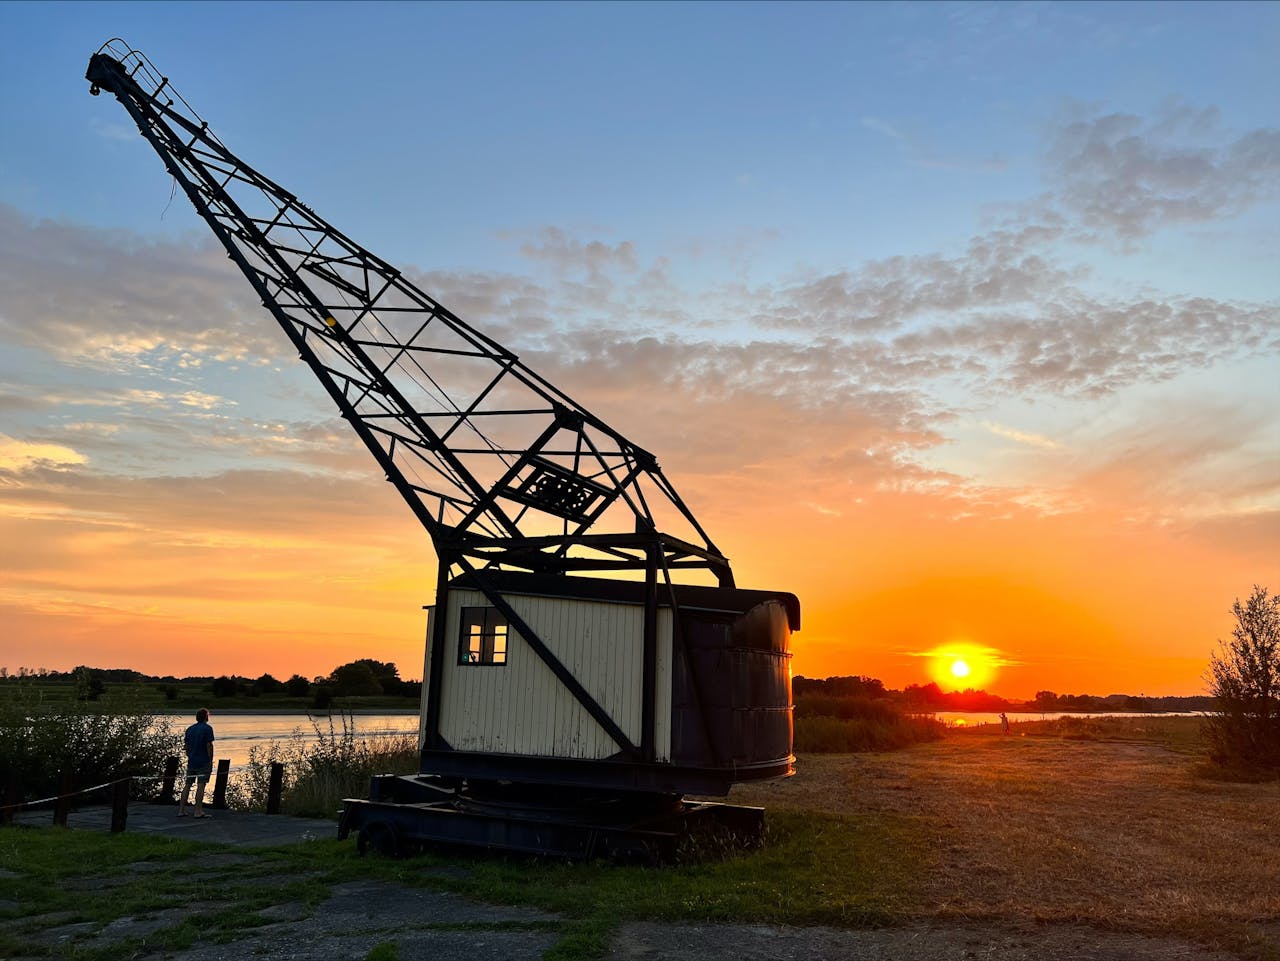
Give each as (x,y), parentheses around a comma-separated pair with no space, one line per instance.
(483,636)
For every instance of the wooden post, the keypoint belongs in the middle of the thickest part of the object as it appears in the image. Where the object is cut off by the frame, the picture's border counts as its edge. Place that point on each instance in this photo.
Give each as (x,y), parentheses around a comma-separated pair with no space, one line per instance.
(170,777)
(220,784)
(275,787)
(62,807)
(12,798)
(120,804)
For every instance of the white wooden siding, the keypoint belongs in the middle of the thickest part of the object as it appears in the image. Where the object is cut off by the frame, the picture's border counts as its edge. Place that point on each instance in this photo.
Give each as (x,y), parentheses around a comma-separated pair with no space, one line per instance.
(426,678)
(522,708)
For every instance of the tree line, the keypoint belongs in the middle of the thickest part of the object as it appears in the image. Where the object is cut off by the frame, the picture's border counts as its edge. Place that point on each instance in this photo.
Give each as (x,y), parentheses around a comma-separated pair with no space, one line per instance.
(930,697)
(364,677)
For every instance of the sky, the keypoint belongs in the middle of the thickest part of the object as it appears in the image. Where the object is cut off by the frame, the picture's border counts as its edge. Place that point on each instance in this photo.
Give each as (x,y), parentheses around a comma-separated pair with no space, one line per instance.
(959,321)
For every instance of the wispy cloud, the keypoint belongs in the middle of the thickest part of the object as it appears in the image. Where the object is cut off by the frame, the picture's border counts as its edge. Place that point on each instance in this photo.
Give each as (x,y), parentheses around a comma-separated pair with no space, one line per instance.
(1022,437)
(922,154)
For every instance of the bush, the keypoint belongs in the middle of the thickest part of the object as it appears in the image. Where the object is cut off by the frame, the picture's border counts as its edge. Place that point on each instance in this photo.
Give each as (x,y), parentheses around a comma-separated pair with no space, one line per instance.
(39,741)
(322,768)
(848,708)
(1243,734)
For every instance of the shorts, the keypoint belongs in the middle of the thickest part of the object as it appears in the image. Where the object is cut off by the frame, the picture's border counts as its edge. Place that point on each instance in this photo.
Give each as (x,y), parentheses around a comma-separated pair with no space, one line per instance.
(199,772)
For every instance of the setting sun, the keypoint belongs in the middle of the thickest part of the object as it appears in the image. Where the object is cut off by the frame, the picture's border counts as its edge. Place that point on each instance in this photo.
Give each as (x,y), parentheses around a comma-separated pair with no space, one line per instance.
(963,664)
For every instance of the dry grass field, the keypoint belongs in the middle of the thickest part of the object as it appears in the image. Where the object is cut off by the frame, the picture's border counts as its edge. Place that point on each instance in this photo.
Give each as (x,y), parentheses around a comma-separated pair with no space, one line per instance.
(1109,824)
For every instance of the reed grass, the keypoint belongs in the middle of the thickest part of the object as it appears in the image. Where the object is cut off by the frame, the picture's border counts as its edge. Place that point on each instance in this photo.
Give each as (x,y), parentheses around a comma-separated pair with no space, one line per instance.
(321,768)
(838,725)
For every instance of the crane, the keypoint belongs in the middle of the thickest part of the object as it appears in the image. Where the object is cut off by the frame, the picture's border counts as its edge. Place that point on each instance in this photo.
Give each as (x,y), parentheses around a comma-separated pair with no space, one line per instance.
(539,512)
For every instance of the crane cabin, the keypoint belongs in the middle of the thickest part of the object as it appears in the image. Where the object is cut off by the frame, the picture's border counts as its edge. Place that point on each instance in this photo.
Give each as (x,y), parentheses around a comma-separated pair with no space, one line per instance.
(600,683)
(590,662)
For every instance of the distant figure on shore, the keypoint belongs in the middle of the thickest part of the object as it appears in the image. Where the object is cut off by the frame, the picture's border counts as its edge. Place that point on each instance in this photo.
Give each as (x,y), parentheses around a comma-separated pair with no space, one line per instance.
(198,742)
(1004,722)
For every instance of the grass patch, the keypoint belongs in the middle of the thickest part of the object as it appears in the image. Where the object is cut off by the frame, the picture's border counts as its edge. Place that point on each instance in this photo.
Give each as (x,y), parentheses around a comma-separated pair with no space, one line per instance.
(813,869)
(1114,830)
(58,877)
(386,951)
(1181,734)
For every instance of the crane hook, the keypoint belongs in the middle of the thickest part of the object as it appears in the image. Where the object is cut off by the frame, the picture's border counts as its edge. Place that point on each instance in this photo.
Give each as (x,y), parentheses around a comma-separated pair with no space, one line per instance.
(94,89)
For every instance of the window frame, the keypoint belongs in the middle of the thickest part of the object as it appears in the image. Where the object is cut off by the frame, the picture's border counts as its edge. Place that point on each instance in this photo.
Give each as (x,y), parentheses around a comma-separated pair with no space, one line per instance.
(492,635)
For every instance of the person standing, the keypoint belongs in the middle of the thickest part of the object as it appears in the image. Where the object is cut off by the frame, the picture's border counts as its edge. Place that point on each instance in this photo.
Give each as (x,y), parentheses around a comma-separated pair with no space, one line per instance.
(1004,722)
(198,742)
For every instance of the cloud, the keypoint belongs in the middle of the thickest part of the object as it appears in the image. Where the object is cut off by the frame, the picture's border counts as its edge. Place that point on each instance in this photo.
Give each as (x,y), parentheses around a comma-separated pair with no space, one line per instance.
(920,154)
(1184,457)
(19,456)
(1022,437)
(111,299)
(1129,176)
(570,255)
(1078,345)
(1002,268)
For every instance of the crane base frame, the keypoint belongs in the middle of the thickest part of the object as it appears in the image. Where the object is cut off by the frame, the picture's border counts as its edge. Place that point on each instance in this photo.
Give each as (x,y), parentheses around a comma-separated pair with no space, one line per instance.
(404,815)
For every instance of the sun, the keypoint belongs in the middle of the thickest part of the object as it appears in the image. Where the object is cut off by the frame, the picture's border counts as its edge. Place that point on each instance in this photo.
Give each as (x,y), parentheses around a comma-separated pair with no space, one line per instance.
(963,664)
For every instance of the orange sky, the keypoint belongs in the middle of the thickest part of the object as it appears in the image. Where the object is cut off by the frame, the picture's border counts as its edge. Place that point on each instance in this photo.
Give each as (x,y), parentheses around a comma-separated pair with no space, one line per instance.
(244,574)
(991,360)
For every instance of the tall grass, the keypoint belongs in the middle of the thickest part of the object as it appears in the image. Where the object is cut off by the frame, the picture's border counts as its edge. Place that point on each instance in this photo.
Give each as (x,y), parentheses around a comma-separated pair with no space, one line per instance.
(322,768)
(841,725)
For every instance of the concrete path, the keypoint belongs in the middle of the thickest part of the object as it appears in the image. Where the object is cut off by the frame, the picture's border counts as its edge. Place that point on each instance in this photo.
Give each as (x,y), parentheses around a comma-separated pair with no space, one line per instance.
(237,828)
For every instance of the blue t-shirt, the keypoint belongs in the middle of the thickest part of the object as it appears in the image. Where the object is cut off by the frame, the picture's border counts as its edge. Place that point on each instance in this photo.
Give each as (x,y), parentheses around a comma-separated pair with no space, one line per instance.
(199,743)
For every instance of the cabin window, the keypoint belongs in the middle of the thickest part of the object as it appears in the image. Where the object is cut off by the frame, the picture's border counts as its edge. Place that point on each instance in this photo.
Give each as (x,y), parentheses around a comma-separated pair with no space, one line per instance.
(484,636)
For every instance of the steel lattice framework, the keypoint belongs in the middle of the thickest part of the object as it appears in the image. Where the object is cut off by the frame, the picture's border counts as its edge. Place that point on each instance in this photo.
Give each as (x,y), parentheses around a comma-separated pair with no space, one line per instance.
(503,469)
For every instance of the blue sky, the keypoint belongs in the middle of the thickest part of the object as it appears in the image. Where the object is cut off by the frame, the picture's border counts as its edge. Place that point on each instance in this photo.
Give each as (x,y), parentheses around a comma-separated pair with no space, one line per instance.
(1002,265)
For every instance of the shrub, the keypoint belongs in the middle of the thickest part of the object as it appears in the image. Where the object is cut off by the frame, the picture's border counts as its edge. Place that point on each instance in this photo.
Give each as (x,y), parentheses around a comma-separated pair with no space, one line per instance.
(39,741)
(322,768)
(847,708)
(839,725)
(1244,732)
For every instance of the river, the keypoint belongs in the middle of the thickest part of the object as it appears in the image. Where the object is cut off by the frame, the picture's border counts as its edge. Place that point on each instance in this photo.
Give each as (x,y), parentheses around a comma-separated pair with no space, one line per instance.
(975,718)
(236,733)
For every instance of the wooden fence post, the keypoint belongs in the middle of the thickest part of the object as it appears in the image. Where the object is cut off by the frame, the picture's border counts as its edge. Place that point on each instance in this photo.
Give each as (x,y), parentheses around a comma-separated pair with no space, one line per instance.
(120,804)
(12,799)
(220,784)
(62,806)
(170,778)
(275,787)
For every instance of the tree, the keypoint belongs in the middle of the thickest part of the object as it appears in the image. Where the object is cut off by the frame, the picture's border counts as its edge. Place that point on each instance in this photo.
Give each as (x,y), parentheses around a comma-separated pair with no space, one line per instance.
(89,684)
(224,686)
(356,678)
(267,684)
(1244,678)
(297,686)
(365,676)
